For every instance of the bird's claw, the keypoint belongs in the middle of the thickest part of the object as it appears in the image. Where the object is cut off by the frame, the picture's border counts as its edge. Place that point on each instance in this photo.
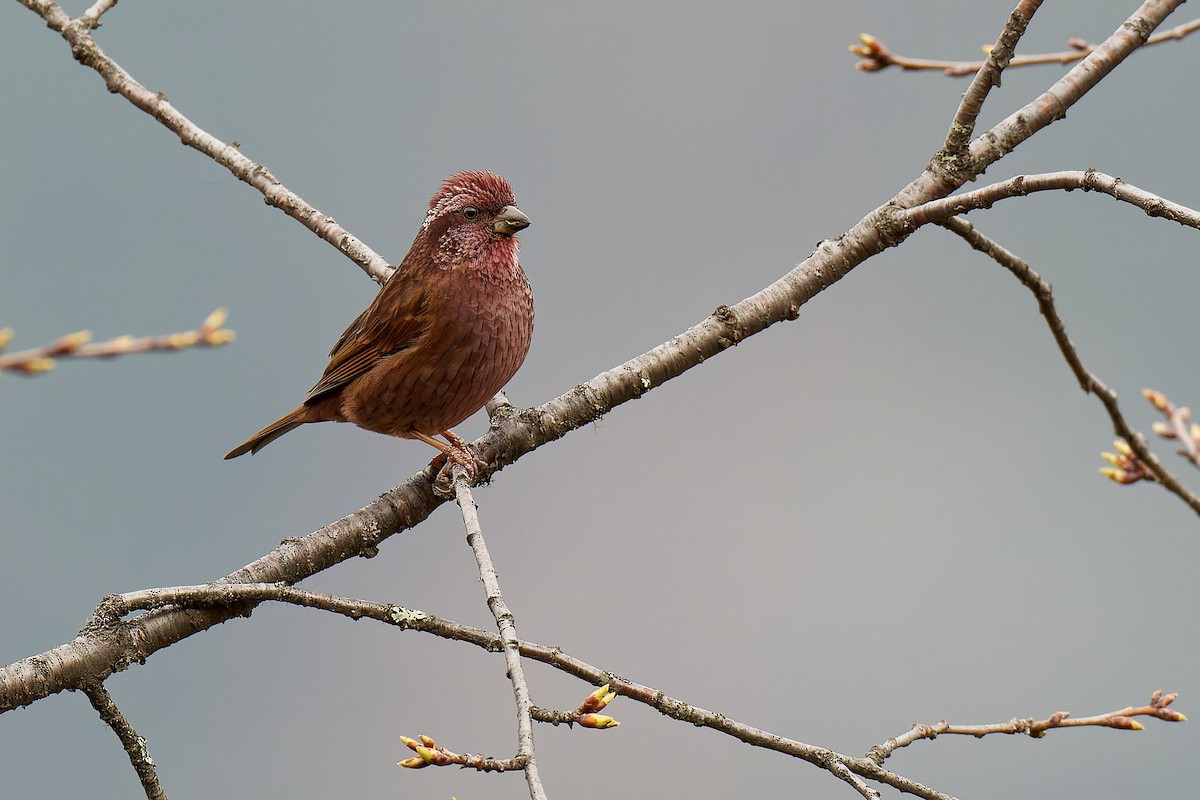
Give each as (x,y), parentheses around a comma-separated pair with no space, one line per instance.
(462,456)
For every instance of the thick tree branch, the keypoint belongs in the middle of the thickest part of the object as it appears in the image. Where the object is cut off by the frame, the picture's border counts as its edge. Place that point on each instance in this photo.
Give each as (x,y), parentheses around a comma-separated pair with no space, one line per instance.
(1053,104)
(97,10)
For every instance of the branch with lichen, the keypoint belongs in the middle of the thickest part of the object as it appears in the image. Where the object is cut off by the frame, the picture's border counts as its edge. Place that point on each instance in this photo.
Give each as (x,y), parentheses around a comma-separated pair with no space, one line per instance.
(1089,180)
(135,745)
(80,345)
(877,57)
(1121,720)
(962,126)
(240,600)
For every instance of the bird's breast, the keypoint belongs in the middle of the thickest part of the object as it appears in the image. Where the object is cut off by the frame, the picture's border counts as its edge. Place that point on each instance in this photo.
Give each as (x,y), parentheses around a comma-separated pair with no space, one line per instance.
(481,325)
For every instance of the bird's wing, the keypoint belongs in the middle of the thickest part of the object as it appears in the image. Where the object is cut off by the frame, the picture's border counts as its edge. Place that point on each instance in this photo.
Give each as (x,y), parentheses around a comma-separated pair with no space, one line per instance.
(393,323)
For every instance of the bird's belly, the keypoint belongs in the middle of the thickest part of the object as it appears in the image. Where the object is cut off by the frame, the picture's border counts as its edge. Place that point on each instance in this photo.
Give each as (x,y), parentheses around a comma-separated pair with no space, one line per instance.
(435,385)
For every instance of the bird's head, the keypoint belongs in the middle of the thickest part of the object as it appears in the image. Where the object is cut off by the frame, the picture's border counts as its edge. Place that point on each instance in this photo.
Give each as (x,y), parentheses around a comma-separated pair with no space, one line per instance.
(473,219)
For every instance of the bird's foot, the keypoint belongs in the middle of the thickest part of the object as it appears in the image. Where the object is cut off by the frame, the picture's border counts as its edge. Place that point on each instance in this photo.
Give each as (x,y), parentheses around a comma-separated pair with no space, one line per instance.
(457,453)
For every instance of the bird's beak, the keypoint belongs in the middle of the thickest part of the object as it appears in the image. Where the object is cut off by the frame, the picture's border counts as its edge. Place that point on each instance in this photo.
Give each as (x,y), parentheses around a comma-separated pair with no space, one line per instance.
(509,221)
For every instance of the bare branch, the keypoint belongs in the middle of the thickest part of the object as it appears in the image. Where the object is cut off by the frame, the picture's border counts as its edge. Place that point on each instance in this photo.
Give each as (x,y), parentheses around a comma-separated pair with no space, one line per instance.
(240,599)
(877,57)
(986,79)
(1053,104)
(843,772)
(76,345)
(1087,381)
(135,746)
(1121,720)
(1089,180)
(78,33)
(240,596)
(506,624)
(947,172)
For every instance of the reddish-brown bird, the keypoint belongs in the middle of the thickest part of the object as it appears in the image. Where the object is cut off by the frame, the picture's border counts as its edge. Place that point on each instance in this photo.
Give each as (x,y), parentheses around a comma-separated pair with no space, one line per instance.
(445,333)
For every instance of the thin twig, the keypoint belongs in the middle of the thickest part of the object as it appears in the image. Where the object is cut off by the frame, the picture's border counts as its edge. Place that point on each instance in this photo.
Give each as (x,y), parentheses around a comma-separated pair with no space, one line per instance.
(1121,720)
(430,754)
(78,33)
(506,624)
(135,746)
(585,714)
(1087,381)
(877,57)
(76,345)
(1088,180)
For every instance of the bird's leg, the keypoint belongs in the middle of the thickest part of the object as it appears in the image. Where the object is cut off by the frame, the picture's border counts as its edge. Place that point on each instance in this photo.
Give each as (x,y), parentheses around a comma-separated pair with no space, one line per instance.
(458,451)
(456,441)
(464,449)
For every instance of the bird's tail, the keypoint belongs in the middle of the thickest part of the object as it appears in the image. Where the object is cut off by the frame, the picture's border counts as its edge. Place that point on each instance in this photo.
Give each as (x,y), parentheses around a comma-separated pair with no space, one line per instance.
(272,432)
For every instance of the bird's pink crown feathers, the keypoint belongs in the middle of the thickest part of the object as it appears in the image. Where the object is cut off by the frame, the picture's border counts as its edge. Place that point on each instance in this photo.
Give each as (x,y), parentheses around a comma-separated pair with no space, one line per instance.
(469,187)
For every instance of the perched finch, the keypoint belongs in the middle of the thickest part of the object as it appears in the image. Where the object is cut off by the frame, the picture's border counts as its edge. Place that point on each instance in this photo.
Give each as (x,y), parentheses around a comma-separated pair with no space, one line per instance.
(445,333)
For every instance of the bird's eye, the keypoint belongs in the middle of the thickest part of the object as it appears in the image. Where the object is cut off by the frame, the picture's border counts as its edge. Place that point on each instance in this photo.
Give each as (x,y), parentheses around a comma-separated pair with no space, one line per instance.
(470,212)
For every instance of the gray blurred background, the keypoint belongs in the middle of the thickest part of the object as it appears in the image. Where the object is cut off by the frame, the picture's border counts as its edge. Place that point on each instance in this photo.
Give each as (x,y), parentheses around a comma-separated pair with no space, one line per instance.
(887,511)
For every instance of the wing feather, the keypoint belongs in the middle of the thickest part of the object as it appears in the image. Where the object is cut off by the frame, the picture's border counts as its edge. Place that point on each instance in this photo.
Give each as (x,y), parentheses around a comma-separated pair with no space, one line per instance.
(393,323)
